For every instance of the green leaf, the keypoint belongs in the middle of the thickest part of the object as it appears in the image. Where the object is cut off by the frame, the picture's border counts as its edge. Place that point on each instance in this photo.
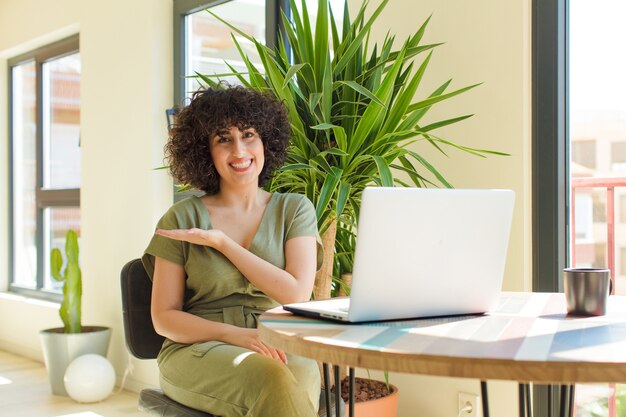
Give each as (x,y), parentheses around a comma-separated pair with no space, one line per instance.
(373,116)
(314,100)
(473,151)
(431,168)
(408,167)
(356,42)
(322,51)
(340,137)
(291,72)
(383,170)
(443,123)
(342,197)
(321,162)
(207,80)
(327,191)
(295,167)
(334,151)
(404,98)
(333,27)
(183,187)
(323,126)
(361,90)
(432,100)
(412,119)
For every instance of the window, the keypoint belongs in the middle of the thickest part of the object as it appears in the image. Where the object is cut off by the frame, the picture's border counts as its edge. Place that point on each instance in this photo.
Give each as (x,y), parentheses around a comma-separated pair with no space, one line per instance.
(599,206)
(203,44)
(618,156)
(622,210)
(44,120)
(584,153)
(209,43)
(573,43)
(622,265)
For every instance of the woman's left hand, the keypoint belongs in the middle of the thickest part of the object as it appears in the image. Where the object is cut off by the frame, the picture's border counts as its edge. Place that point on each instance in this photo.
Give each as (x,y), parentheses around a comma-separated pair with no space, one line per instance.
(212,238)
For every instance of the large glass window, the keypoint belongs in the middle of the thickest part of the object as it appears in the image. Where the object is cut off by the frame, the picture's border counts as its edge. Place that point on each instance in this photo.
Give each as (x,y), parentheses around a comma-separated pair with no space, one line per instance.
(578,169)
(45,161)
(597,127)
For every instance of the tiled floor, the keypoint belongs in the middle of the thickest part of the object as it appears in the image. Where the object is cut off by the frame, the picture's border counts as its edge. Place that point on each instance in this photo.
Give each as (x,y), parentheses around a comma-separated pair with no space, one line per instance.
(24,392)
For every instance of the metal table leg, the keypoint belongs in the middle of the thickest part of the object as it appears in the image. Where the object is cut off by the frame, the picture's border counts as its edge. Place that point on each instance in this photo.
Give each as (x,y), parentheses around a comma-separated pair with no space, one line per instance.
(564,402)
(337,390)
(572,392)
(483,391)
(351,398)
(522,400)
(327,388)
(550,395)
(567,401)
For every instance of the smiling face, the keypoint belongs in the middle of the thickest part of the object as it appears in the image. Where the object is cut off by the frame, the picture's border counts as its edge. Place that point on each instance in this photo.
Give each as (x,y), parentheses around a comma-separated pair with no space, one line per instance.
(238,156)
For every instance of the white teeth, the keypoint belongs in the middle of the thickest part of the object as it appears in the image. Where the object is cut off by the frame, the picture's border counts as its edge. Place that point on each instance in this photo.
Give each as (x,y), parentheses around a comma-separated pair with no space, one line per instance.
(242,165)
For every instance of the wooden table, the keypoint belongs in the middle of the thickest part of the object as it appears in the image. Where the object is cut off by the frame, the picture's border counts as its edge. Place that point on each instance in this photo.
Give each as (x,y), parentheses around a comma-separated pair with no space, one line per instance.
(527,338)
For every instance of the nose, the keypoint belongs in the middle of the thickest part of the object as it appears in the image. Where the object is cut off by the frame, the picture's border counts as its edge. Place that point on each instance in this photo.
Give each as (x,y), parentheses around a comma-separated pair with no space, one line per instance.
(238,146)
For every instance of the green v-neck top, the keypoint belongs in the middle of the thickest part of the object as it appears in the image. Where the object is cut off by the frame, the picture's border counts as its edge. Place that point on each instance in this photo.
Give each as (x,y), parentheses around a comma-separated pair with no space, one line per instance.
(215,289)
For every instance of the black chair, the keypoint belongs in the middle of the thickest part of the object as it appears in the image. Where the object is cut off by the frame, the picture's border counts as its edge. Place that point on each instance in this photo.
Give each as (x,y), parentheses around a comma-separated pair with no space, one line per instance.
(144,343)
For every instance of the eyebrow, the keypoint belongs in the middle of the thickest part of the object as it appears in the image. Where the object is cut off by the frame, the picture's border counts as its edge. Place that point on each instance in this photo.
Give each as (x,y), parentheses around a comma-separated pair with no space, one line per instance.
(222,132)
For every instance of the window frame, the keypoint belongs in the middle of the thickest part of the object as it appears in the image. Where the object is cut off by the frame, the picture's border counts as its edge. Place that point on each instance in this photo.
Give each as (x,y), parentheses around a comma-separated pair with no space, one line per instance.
(550,157)
(44,198)
(550,161)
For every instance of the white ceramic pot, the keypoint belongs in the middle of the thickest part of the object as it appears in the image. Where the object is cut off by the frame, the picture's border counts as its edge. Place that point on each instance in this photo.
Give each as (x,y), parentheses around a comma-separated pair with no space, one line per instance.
(59,349)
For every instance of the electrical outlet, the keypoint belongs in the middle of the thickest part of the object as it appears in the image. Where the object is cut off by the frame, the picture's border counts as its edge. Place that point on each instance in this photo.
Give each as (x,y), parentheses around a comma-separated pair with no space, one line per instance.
(471,400)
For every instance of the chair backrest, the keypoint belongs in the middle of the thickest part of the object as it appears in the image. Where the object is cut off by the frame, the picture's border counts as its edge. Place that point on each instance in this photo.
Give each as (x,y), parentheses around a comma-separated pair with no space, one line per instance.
(141,338)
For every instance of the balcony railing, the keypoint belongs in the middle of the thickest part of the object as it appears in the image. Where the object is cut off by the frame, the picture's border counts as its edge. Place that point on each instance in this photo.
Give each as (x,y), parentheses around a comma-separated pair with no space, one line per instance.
(609,184)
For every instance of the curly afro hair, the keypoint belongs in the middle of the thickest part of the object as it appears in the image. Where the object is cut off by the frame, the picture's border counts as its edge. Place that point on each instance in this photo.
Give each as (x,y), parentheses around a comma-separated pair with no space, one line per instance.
(187,151)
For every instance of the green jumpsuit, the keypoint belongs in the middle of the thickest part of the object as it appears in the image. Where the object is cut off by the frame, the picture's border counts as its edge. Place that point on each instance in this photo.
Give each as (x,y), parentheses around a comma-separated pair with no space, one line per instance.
(214,376)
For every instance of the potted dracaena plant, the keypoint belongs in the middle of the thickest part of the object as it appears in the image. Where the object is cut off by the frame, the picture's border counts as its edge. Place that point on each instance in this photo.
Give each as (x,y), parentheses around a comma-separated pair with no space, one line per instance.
(354,114)
(61,345)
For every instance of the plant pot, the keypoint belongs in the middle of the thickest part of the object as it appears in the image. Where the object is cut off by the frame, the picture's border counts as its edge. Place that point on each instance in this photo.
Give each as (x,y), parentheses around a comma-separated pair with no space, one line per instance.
(60,349)
(382,407)
(366,404)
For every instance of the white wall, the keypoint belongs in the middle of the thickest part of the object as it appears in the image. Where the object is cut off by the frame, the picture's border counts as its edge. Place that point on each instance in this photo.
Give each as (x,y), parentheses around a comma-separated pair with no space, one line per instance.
(485,42)
(126,53)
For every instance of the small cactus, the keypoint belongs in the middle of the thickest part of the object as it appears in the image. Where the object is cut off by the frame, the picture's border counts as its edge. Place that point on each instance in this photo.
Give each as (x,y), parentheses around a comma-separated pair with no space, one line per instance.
(72,282)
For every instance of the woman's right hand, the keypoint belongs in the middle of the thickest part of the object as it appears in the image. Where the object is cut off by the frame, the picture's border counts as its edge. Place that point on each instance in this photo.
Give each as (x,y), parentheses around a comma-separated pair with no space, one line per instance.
(212,238)
(249,339)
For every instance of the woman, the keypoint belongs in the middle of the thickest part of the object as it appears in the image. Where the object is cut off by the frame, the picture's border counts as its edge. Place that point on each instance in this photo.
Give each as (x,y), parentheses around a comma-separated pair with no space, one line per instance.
(220,260)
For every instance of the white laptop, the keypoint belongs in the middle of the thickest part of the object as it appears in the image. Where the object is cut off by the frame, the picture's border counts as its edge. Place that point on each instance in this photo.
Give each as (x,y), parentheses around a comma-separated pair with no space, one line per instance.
(423,253)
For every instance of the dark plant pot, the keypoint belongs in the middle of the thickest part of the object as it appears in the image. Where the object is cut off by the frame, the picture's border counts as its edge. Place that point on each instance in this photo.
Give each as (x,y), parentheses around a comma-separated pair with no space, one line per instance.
(60,349)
